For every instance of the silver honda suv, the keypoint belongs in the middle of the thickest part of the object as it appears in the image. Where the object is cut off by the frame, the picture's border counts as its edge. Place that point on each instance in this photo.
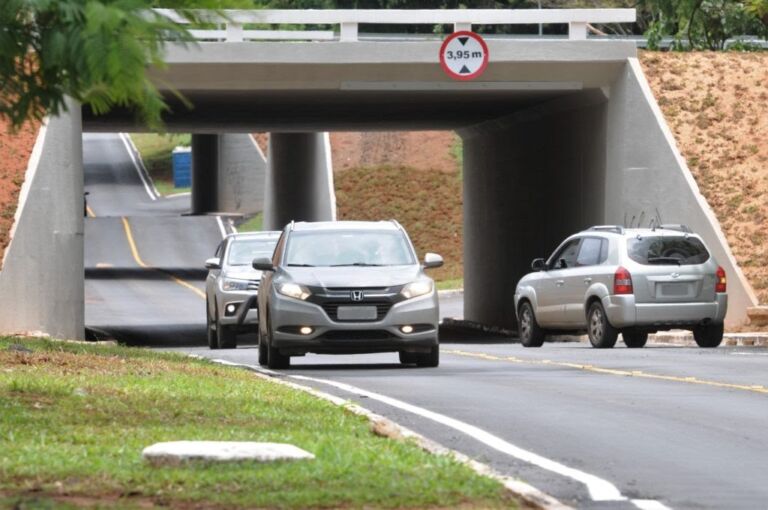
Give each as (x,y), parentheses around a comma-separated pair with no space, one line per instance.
(609,280)
(344,287)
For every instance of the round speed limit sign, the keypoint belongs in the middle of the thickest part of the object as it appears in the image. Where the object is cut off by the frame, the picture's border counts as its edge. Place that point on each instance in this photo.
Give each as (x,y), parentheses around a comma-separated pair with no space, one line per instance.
(464,55)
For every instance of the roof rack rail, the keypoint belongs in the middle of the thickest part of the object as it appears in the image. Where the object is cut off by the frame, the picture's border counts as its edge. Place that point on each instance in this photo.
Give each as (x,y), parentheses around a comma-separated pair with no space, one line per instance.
(618,229)
(675,226)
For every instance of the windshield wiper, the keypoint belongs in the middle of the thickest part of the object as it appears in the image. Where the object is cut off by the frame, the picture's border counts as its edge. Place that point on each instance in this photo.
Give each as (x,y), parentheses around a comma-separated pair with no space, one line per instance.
(300,265)
(358,264)
(663,260)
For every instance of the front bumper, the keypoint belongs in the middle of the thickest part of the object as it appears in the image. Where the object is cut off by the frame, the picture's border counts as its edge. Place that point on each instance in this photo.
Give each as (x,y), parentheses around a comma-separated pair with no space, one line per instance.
(287,315)
(623,312)
(237,298)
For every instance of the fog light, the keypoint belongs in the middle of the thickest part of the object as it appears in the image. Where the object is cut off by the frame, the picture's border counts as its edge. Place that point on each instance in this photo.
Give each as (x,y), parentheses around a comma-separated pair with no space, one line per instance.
(231,308)
(305,330)
(406,329)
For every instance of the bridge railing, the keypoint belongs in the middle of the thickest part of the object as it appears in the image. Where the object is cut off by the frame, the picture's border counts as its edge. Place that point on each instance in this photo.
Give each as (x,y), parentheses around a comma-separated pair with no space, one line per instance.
(234,22)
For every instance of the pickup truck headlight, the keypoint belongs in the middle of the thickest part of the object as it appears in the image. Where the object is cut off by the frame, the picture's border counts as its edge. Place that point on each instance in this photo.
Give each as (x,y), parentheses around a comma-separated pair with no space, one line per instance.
(293,290)
(416,289)
(234,284)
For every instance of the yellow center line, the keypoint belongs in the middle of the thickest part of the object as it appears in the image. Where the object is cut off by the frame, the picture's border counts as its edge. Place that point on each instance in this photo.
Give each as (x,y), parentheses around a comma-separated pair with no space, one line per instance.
(755,388)
(140,262)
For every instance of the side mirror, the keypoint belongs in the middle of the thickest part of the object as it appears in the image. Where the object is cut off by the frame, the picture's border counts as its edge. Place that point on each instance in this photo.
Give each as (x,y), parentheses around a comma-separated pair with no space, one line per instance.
(213,263)
(432,260)
(538,265)
(263,264)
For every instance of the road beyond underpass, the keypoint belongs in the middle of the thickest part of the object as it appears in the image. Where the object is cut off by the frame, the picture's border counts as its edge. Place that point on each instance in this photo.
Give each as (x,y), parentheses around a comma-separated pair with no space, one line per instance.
(659,427)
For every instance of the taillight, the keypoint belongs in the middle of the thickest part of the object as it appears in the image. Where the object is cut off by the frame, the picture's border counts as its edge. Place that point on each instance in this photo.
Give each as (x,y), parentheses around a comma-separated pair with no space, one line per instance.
(622,281)
(720,280)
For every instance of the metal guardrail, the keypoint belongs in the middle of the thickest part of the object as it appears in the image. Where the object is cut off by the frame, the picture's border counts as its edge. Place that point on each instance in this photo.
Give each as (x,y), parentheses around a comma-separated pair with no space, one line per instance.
(234,22)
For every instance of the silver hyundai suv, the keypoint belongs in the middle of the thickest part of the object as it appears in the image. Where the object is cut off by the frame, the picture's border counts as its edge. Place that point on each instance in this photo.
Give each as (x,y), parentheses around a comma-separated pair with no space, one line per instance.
(347,287)
(232,285)
(609,280)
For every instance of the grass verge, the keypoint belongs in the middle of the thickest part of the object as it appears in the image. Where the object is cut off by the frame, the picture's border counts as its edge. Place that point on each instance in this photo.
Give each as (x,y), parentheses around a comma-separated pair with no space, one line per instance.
(254,224)
(155,150)
(75,417)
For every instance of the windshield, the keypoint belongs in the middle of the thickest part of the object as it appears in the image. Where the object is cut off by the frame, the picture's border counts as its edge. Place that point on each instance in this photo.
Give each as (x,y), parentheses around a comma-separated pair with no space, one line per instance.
(678,250)
(243,251)
(348,248)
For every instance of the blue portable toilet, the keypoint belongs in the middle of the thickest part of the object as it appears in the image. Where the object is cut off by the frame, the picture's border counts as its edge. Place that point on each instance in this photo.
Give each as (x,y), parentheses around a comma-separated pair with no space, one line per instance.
(181,161)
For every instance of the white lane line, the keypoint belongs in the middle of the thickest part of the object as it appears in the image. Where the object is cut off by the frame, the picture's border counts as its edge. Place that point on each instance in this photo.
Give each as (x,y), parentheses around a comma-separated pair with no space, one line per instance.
(139,165)
(221,227)
(649,504)
(749,353)
(599,489)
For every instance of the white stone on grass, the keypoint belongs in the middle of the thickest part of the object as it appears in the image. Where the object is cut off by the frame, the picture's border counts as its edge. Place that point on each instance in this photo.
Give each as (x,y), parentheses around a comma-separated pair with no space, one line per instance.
(179,452)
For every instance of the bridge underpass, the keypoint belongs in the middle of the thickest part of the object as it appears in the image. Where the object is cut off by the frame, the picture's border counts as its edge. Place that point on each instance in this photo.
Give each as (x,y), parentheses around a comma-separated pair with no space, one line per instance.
(558,135)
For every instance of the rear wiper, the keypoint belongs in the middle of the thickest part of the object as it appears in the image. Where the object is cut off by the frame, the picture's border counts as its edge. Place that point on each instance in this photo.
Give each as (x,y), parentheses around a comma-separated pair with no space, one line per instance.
(300,265)
(663,260)
(359,264)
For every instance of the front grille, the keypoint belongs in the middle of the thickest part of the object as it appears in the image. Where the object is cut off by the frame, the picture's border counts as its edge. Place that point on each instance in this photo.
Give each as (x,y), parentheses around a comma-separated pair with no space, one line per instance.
(253,284)
(357,335)
(382,308)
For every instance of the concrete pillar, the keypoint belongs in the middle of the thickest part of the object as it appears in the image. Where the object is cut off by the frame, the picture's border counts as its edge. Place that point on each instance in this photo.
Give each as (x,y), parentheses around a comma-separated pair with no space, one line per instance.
(205,161)
(41,282)
(529,181)
(299,180)
(242,173)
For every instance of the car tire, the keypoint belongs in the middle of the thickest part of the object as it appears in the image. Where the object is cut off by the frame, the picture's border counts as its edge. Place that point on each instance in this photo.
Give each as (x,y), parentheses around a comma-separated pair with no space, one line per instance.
(708,336)
(634,339)
(601,334)
(275,360)
(407,358)
(531,335)
(429,359)
(213,341)
(226,336)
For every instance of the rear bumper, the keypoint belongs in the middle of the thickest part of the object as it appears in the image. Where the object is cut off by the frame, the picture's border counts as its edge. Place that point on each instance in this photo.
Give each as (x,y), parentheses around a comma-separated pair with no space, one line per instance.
(622,312)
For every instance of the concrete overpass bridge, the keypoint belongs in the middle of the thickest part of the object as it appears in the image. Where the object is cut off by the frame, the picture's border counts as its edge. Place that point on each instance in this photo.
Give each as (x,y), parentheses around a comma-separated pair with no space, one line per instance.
(558,134)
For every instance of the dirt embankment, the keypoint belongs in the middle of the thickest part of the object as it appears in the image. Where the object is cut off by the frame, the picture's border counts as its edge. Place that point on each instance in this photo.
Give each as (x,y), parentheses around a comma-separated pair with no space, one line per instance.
(15,150)
(717,106)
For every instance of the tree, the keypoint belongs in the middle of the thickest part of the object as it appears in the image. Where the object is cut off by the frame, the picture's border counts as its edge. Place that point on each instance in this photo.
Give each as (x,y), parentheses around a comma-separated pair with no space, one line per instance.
(95,51)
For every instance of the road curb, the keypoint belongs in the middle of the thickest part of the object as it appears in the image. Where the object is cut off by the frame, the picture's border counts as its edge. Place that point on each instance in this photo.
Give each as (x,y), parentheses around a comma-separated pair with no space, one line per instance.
(385,427)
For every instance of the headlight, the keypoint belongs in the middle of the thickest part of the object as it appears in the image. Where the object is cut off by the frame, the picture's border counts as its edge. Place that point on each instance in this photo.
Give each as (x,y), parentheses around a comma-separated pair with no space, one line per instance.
(232,284)
(416,289)
(293,290)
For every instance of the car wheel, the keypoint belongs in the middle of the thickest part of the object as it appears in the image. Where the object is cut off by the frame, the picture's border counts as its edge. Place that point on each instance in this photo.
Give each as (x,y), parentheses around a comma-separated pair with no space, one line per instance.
(226,336)
(276,360)
(601,334)
(634,339)
(263,358)
(708,336)
(429,359)
(213,342)
(407,358)
(531,335)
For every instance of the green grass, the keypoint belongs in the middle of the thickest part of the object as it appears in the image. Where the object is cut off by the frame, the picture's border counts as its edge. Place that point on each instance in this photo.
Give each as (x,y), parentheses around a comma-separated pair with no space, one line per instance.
(254,224)
(74,418)
(155,150)
(455,283)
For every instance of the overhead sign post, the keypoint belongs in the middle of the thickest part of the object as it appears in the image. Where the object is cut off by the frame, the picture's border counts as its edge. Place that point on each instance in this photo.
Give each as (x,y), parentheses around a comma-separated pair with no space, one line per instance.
(464,55)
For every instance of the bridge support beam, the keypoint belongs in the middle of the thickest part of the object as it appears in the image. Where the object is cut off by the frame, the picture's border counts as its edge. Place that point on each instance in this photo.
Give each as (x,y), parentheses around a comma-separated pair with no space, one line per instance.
(530,180)
(205,170)
(299,180)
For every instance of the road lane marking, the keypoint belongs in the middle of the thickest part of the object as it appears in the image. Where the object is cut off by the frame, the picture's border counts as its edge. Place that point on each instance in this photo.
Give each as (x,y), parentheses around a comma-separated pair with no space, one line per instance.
(90,212)
(221,227)
(140,262)
(756,388)
(599,489)
(139,166)
(649,504)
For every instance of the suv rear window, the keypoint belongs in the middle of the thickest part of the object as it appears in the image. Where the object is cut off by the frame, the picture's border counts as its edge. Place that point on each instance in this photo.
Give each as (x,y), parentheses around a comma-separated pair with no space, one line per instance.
(661,250)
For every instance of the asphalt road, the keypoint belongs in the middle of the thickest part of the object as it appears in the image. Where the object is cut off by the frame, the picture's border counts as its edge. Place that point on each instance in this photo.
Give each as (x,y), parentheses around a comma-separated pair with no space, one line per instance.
(660,427)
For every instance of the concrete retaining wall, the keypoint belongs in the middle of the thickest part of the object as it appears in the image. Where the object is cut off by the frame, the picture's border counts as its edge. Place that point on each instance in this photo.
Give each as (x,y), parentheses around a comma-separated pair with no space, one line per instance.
(648,180)
(41,284)
(241,173)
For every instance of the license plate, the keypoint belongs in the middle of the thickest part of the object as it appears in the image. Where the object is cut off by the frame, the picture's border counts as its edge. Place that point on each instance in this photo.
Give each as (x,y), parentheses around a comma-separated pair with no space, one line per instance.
(356,313)
(673,289)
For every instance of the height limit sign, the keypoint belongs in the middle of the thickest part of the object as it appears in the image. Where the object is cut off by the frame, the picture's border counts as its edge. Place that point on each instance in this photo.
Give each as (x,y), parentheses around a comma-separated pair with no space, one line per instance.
(464,55)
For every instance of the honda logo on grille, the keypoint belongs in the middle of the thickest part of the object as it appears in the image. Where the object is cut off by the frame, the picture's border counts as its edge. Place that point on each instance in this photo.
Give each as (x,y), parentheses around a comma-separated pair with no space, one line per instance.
(357,295)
